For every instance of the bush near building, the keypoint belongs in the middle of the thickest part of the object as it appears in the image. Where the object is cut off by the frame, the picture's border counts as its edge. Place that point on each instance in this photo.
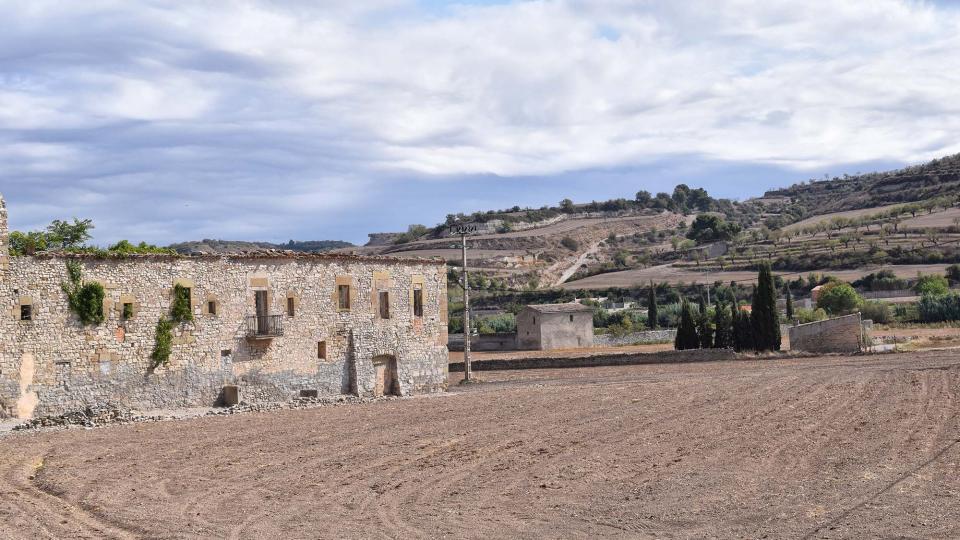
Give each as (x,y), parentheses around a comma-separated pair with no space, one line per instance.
(838,298)
(932,285)
(878,312)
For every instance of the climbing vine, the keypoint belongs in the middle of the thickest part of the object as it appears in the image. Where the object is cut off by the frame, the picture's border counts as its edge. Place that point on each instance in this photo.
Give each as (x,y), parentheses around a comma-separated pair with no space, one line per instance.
(181,311)
(163,343)
(84,299)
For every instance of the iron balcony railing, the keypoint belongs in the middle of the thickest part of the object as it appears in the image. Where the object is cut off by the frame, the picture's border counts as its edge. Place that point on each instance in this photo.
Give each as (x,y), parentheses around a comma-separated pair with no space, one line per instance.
(264,326)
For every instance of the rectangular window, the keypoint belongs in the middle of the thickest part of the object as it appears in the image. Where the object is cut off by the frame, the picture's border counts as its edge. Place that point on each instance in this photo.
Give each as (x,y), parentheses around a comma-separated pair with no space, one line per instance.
(127,312)
(26,312)
(343,297)
(418,302)
(384,304)
(322,350)
(212,307)
(291,306)
(571,318)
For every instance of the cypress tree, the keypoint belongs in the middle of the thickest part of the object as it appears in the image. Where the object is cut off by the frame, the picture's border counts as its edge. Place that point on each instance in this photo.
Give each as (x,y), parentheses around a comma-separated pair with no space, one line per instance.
(652,307)
(704,330)
(765,318)
(742,330)
(723,327)
(687,331)
(789,303)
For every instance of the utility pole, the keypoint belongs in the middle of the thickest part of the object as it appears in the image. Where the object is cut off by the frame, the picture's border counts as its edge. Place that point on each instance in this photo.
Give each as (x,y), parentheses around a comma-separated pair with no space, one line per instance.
(466,311)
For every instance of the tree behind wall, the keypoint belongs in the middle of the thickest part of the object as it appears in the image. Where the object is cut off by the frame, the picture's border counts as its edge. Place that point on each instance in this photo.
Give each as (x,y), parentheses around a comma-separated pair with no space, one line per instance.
(687,337)
(723,327)
(652,308)
(742,330)
(789,304)
(765,318)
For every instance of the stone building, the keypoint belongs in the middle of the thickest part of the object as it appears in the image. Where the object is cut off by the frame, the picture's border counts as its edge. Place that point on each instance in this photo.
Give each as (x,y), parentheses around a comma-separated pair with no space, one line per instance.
(555,326)
(839,335)
(275,325)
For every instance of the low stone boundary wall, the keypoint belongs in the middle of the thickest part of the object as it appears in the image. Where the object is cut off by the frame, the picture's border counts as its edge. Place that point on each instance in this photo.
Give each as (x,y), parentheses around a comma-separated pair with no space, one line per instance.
(485,343)
(842,335)
(547,362)
(635,338)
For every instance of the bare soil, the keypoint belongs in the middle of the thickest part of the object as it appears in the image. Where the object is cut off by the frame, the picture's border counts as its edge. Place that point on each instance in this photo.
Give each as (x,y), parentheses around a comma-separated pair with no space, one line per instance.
(829,447)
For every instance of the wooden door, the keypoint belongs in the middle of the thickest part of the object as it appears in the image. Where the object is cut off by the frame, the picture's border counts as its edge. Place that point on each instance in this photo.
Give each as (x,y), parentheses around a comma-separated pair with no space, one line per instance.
(380,385)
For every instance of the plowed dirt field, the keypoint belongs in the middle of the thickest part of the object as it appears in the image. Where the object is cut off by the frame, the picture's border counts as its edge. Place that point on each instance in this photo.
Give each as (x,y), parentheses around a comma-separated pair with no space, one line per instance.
(830,447)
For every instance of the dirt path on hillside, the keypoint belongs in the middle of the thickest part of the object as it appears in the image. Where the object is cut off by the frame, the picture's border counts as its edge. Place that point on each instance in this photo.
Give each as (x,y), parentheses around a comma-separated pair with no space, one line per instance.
(832,447)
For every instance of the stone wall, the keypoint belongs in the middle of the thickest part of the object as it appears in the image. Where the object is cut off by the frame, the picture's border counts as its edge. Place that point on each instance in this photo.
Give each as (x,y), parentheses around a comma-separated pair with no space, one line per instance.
(506,341)
(635,338)
(841,335)
(52,363)
(553,362)
(4,234)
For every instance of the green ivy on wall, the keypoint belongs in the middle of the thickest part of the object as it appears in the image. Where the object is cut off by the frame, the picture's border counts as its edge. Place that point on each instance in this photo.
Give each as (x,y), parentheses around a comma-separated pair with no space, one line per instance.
(181,311)
(163,343)
(84,299)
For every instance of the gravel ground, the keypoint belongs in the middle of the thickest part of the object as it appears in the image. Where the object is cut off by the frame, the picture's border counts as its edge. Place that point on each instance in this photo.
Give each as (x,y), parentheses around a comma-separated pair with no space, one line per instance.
(827,447)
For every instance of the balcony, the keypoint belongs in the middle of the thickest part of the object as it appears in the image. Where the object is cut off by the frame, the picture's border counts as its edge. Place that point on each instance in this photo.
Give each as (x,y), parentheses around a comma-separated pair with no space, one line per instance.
(264,326)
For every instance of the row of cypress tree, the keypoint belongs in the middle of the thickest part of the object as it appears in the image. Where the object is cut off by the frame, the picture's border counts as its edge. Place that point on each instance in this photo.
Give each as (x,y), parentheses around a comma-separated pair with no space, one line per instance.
(732,327)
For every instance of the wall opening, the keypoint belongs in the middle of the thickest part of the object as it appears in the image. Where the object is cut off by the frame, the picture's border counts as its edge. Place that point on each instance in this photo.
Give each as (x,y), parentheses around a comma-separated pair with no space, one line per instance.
(386,382)
(291,306)
(418,302)
(212,307)
(343,297)
(26,312)
(321,350)
(384,297)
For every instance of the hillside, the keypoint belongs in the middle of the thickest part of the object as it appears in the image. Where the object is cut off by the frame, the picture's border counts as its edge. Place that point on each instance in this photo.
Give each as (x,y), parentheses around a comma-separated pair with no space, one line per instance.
(238,246)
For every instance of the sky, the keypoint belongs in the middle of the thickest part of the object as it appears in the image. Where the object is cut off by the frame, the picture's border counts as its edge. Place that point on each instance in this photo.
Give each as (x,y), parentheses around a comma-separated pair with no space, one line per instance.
(293,119)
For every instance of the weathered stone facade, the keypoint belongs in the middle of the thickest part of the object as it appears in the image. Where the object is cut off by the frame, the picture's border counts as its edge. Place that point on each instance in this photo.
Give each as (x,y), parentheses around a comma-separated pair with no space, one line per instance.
(51,363)
(554,326)
(841,335)
(666,335)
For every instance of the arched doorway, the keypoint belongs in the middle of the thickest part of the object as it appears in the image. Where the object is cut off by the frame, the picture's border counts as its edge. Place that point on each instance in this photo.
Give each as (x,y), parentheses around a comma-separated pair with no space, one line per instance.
(386,382)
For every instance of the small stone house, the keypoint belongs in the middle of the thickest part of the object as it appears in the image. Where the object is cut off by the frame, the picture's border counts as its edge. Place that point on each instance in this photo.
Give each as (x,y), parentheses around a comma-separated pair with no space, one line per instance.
(555,326)
(267,326)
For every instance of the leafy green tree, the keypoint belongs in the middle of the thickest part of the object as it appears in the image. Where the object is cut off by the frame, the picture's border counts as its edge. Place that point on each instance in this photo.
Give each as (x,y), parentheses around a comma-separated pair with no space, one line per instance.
(566,206)
(643,198)
(932,286)
(711,228)
(687,337)
(66,235)
(27,243)
(838,298)
(765,317)
(652,320)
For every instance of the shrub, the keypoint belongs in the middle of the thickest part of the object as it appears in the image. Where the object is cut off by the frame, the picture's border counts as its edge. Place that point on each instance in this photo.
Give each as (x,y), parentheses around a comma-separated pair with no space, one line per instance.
(497,324)
(570,243)
(953,273)
(838,298)
(939,308)
(84,299)
(181,311)
(932,286)
(163,343)
(878,312)
(804,316)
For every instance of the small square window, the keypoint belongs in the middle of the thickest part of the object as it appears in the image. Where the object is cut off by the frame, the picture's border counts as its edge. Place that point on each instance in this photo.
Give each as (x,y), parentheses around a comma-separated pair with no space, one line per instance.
(343,297)
(418,302)
(26,312)
(384,304)
(322,350)
(291,306)
(212,307)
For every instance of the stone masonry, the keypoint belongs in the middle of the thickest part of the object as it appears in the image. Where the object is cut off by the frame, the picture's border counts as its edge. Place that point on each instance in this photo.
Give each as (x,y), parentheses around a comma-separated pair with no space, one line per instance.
(840,335)
(51,363)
